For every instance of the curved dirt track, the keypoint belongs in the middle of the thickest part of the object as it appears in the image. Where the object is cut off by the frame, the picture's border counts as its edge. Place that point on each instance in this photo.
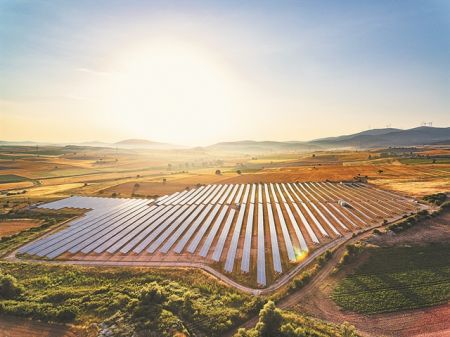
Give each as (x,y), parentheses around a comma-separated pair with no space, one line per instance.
(314,299)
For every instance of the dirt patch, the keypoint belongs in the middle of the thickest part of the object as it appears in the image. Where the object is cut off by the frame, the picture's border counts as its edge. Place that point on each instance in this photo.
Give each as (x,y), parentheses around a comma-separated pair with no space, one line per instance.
(8,227)
(20,327)
(432,230)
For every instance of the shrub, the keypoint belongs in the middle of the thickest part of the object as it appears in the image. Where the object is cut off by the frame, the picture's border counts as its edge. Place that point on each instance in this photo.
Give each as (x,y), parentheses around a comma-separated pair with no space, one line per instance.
(66,315)
(437,199)
(9,287)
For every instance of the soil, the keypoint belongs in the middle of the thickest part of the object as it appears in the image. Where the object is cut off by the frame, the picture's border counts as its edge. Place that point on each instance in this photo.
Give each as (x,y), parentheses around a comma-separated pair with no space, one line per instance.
(21,327)
(9,227)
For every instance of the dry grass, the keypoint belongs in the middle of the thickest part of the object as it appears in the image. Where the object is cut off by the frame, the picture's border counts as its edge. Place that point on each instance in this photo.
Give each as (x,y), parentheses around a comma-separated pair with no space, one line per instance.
(8,227)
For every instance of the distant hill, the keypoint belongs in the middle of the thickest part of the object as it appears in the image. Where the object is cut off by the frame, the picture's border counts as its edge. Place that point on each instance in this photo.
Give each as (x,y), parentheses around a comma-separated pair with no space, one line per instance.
(145,144)
(372,132)
(375,138)
(250,146)
(423,135)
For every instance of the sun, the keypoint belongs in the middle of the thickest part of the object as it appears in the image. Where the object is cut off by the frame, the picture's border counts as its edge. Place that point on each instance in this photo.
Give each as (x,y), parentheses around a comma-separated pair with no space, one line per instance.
(168,89)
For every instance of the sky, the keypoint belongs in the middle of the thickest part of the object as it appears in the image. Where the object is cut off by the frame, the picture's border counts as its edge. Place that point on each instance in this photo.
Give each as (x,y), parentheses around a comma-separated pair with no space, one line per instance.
(200,72)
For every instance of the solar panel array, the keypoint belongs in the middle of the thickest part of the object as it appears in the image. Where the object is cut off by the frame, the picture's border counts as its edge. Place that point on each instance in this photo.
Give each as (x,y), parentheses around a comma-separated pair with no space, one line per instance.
(248,228)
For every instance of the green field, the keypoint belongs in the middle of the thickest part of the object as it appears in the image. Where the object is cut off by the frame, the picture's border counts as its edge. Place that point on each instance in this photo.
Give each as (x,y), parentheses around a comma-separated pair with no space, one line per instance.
(11,178)
(396,279)
(420,161)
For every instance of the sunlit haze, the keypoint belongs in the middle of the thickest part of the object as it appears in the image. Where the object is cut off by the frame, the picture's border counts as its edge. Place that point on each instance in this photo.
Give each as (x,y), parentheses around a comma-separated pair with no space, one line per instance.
(196,73)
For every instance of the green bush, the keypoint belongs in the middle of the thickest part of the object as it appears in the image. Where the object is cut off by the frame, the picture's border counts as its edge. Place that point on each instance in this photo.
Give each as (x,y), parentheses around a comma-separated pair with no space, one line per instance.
(437,199)
(9,287)
(66,315)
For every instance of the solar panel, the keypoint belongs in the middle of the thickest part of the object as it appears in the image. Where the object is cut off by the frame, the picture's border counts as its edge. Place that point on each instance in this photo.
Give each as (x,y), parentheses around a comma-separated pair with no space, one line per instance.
(305,198)
(221,242)
(239,194)
(171,228)
(229,263)
(68,243)
(343,215)
(283,199)
(212,233)
(215,195)
(180,209)
(181,229)
(273,235)
(230,198)
(314,219)
(201,196)
(113,236)
(346,200)
(252,198)
(225,194)
(376,202)
(181,196)
(260,258)
(312,191)
(193,246)
(189,196)
(301,239)
(284,230)
(179,247)
(135,230)
(147,227)
(324,218)
(168,200)
(305,222)
(207,197)
(364,201)
(245,263)
(106,228)
(83,231)
(306,192)
(75,225)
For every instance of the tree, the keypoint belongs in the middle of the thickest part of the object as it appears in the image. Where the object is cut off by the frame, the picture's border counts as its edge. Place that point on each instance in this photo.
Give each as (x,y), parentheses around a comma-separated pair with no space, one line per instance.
(164,180)
(348,330)
(270,320)
(218,172)
(9,287)
(239,172)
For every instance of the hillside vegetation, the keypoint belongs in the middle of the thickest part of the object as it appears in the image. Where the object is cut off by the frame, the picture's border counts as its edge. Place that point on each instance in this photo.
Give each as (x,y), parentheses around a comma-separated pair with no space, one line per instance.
(127,301)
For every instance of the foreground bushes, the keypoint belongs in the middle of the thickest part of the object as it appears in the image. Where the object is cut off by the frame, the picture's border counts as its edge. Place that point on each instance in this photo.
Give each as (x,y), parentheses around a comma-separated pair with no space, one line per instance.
(127,301)
(408,222)
(274,322)
(437,199)
(9,287)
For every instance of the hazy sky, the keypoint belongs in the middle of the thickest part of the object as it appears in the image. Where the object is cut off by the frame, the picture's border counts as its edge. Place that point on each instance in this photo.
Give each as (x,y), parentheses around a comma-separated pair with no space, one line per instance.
(198,72)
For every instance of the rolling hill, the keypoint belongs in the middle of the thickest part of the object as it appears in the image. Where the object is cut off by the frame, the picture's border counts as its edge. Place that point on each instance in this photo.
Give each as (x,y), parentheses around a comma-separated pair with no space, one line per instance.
(387,137)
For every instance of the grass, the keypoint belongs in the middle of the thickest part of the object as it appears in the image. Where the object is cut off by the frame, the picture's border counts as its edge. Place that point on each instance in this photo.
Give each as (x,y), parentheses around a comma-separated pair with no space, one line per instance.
(11,178)
(275,322)
(397,278)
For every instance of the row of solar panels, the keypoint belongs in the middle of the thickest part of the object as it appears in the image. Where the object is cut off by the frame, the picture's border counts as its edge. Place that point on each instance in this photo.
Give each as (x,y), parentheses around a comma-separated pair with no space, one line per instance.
(208,214)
